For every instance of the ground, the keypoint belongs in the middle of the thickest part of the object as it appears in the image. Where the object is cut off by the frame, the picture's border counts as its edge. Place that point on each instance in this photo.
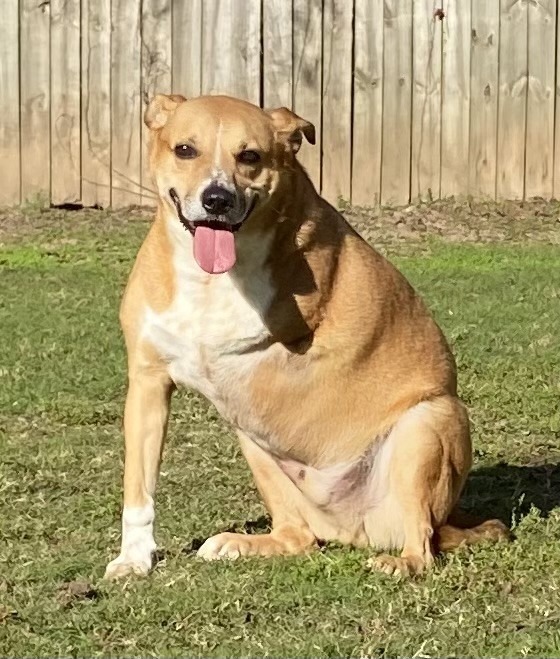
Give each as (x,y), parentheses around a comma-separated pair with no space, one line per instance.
(491,274)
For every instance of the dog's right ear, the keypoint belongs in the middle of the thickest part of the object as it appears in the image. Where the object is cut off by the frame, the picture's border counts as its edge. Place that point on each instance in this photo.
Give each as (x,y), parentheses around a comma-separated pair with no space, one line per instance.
(160,108)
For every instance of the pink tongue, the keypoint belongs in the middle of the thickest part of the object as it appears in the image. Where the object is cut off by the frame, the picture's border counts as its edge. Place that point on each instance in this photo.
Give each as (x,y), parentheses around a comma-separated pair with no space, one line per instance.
(214,249)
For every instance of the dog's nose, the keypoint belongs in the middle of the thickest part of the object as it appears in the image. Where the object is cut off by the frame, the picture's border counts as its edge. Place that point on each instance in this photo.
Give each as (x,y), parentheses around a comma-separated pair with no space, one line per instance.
(217,200)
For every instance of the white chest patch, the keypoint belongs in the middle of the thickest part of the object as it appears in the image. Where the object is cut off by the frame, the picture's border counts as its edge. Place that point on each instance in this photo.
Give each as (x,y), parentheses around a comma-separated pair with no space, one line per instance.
(213,333)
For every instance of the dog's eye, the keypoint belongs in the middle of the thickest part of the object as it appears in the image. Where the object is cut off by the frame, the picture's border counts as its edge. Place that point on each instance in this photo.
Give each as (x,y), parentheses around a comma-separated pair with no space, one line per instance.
(248,157)
(185,151)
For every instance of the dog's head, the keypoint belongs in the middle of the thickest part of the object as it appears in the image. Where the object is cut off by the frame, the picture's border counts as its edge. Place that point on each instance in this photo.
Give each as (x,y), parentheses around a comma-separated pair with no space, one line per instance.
(215,160)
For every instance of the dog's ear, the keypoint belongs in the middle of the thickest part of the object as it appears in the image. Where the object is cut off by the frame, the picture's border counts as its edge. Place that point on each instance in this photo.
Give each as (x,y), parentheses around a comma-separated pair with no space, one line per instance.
(160,108)
(290,128)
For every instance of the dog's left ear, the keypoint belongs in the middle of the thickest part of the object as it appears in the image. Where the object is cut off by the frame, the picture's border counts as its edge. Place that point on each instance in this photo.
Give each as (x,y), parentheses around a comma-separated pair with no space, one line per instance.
(290,128)
(160,108)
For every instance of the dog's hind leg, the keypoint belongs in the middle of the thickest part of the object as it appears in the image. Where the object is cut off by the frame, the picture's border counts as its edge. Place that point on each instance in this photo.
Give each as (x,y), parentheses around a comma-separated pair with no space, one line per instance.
(431,456)
(290,532)
(145,421)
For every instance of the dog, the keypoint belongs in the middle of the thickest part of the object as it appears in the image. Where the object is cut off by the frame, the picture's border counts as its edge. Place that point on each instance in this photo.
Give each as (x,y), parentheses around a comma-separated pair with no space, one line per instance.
(253,290)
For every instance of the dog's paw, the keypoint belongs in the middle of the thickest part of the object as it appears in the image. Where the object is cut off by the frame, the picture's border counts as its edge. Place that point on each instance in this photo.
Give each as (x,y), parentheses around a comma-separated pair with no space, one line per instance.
(397,565)
(123,566)
(228,546)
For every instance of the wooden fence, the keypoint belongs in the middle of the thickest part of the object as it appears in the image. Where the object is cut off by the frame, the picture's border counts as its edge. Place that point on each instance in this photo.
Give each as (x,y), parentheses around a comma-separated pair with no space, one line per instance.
(411,98)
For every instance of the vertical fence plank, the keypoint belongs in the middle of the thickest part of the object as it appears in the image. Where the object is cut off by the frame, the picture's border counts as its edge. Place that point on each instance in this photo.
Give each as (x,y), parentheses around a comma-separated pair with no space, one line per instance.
(9,106)
(512,100)
(426,101)
(35,99)
(277,53)
(186,45)
(337,100)
(156,73)
(96,103)
(65,102)
(556,173)
(368,102)
(125,103)
(308,78)
(397,90)
(540,99)
(483,125)
(231,46)
(455,97)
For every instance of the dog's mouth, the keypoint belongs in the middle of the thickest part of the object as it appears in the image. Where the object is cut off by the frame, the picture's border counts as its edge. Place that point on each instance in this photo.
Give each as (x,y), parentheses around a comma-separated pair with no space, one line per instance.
(213,240)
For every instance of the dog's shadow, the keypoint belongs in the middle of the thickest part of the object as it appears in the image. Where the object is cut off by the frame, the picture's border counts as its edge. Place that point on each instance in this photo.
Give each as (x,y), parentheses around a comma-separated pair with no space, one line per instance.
(506,491)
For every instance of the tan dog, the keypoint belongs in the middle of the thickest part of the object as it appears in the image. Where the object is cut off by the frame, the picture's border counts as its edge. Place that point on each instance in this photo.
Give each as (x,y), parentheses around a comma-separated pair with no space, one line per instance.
(253,290)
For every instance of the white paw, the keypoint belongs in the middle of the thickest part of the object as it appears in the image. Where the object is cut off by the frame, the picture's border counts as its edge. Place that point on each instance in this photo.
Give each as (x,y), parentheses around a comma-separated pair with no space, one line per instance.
(220,547)
(123,566)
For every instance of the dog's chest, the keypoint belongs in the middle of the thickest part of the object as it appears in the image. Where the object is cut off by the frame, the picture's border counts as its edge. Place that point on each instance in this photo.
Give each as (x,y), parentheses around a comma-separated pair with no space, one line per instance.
(213,334)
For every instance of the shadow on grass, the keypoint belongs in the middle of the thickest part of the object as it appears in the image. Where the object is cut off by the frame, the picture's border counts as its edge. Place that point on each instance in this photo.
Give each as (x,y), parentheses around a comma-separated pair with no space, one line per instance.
(504,490)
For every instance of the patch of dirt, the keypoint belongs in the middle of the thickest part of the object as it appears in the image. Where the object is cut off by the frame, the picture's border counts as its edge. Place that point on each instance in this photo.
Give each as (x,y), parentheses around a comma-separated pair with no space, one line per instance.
(28,220)
(72,592)
(460,220)
(454,220)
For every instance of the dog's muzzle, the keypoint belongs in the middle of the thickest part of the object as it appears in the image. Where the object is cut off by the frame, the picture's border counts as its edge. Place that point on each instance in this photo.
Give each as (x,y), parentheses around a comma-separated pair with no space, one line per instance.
(213,237)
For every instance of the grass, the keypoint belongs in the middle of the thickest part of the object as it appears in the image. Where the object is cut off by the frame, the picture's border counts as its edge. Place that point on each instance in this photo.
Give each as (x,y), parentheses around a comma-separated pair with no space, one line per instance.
(62,371)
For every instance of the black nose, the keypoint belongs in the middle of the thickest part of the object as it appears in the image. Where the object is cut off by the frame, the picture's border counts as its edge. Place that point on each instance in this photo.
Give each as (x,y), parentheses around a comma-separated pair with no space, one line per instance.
(217,200)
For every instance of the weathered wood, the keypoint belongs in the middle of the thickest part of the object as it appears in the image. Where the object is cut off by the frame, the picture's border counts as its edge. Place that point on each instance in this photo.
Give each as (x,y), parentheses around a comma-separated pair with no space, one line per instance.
(368,102)
(156,73)
(186,71)
(65,102)
(455,101)
(308,70)
(277,53)
(337,100)
(231,45)
(397,91)
(9,106)
(512,103)
(483,127)
(35,100)
(96,102)
(125,103)
(426,102)
(556,173)
(539,143)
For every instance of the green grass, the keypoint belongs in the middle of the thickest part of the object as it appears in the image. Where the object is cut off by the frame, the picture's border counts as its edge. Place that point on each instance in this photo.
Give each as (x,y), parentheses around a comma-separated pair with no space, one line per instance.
(62,372)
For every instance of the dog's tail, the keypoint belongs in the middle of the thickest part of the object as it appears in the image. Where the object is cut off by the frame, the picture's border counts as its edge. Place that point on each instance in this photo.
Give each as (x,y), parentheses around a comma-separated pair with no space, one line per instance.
(464,529)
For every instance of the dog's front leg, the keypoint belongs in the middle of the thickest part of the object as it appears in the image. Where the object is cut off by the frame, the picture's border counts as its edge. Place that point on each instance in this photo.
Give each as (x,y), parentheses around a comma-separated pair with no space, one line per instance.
(145,423)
